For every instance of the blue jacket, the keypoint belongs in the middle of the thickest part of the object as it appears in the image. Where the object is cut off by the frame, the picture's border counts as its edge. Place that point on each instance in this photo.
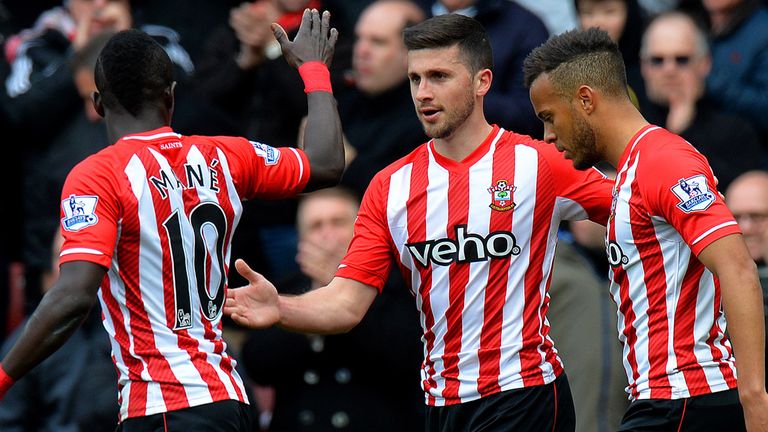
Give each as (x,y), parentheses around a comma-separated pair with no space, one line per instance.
(739,78)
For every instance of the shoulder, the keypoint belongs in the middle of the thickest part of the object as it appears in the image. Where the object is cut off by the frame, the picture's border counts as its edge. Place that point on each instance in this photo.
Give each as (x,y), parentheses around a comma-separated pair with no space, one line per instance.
(662,149)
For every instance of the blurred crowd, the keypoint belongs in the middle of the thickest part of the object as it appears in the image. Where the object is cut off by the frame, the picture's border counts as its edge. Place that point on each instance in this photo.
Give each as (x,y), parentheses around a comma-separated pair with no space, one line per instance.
(696,67)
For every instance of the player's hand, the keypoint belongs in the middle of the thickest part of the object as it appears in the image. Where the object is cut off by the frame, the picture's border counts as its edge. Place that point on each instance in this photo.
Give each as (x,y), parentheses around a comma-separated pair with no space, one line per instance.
(315,40)
(254,305)
(756,413)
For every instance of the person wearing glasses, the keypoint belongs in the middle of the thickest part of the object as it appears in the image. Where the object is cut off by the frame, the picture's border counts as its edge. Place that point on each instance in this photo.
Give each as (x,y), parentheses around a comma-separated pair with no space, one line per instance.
(675,63)
(747,198)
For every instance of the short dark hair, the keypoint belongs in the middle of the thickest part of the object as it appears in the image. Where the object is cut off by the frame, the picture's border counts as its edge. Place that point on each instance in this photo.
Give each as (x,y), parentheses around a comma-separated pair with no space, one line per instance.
(445,31)
(578,57)
(133,71)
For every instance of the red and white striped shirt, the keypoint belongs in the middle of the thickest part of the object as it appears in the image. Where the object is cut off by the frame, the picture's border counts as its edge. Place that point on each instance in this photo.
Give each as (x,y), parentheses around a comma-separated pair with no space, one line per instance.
(475,240)
(158,210)
(666,210)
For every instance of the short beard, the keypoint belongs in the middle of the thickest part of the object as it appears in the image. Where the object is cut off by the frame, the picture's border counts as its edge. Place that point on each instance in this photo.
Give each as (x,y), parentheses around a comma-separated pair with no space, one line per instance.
(584,144)
(454,120)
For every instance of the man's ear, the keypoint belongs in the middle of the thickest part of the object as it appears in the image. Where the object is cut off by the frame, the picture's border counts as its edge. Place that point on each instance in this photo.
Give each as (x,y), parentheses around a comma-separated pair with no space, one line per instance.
(169,96)
(97,103)
(586,99)
(483,81)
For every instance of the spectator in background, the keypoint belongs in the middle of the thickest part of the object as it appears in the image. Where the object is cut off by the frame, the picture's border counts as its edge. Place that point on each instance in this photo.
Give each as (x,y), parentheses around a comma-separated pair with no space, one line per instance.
(675,65)
(243,74)
(41,85)
(377,115)
(747,198)
(739,41)
(513,32)
(622,20)
(322,382)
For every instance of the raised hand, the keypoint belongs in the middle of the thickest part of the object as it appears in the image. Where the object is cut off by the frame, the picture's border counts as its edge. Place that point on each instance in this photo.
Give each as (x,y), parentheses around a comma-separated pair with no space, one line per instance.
(254,305)
(315,41)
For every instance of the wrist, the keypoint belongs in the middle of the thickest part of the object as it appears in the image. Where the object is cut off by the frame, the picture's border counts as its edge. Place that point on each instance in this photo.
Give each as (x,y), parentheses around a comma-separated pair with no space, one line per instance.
(5,381)
(316,77)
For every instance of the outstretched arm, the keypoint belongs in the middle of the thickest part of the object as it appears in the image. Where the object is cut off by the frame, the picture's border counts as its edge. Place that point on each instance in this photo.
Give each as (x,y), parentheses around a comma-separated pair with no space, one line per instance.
(59,314)
(311,52)
(729,260)
(335,308)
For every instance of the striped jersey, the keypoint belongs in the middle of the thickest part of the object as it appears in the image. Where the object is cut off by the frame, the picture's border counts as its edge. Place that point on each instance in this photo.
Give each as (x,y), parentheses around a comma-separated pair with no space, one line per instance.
(665,211)
(475,241)
(158,210)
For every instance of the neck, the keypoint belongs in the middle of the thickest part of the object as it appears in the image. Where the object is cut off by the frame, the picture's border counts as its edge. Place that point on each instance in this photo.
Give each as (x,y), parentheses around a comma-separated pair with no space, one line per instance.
(122,124)
(614,135)
(466,138)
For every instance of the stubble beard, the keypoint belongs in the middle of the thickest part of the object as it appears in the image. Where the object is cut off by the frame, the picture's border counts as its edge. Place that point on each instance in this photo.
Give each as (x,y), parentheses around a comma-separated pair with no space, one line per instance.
(452,120)
(585,145)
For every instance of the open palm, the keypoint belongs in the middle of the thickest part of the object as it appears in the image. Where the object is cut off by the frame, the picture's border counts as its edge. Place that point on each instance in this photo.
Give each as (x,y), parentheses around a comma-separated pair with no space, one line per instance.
(254,305)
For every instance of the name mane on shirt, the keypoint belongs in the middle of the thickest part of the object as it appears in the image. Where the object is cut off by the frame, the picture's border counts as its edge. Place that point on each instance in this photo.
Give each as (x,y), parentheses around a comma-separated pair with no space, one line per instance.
(195,176)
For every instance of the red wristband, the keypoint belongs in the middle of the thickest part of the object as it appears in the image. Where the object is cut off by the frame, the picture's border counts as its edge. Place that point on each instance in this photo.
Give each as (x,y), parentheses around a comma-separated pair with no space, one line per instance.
(5,382)
(316,77)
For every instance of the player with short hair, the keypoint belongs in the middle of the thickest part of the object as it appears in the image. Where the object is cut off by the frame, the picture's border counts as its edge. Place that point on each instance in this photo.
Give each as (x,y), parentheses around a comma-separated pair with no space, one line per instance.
(676,254)
(151,230)
(471,220)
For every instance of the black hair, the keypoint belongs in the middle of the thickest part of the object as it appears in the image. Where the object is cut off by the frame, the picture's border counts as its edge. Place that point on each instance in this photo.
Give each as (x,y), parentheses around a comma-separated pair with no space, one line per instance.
(445,31)
(576,58)
(133,71)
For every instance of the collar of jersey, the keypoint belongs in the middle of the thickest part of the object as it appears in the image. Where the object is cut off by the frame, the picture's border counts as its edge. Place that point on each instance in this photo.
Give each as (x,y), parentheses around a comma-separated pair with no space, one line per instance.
(471,158)
(154,134)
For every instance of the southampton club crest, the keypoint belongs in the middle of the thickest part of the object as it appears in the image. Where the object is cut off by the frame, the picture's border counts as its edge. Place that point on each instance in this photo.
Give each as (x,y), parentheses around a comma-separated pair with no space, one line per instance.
(79,212)
(693,193)
(501,196)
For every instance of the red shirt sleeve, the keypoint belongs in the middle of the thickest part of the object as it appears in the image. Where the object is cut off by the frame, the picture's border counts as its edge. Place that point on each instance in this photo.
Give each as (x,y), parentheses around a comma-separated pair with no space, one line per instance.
(89,212)
(371,251)
(589,189)
(678,185)
(259,170)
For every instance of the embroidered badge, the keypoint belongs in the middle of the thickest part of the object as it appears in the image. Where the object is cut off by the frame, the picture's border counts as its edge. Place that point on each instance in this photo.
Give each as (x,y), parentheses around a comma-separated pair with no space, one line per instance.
(270,154)
(79,212)
(501,196)
(693,193)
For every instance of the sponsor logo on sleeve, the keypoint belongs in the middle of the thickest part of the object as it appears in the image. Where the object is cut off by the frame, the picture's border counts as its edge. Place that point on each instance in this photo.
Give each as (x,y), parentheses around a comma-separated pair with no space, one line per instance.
(693,193)
(79,212)
(270,154)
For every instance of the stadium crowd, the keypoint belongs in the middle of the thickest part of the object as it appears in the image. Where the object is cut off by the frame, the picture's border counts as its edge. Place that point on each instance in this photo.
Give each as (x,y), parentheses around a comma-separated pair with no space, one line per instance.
(698,68)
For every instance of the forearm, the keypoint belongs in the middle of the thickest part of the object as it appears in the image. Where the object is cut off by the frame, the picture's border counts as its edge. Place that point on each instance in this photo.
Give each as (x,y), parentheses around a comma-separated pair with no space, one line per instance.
(323,140)
(743,304)
(327,310)
(52,323)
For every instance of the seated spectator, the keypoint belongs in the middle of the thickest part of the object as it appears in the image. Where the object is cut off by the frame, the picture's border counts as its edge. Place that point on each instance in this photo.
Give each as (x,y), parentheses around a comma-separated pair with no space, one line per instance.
(513,32)
(675,65)
(747,198)
(364,380)
(739,40)
(377,115)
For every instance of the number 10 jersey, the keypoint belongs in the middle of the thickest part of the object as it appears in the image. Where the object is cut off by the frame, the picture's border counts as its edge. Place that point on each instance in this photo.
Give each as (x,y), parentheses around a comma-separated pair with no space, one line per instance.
(158,210)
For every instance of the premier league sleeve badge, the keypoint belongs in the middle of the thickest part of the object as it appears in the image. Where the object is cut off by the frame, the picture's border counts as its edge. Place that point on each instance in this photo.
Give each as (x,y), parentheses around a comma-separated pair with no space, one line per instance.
(79,212)
(693,194)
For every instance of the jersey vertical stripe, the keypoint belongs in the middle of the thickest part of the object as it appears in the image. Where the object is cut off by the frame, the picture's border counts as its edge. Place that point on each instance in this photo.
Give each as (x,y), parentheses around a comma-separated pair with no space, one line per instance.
(164,209)
(478,261)
(670,317)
